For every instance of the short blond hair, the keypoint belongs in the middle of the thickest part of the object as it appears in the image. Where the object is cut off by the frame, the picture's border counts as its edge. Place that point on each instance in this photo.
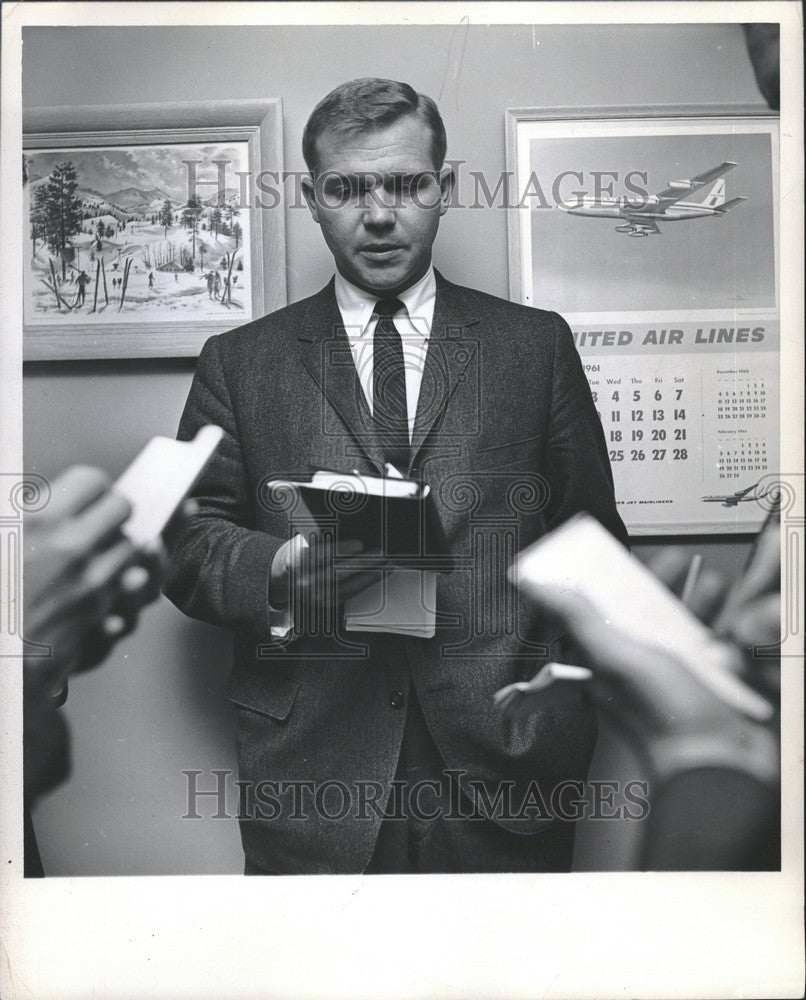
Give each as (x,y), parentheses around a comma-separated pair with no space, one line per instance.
(367,104)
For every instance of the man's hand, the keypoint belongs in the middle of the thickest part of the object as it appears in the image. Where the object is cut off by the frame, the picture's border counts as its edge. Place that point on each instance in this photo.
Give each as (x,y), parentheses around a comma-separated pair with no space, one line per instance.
(84,580)
(747,613)
(652,694)
(751,613)
(139,585)
(315,574)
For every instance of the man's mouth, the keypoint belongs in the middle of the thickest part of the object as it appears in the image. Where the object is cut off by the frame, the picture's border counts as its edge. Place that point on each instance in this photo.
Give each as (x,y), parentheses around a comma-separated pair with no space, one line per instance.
(380,251)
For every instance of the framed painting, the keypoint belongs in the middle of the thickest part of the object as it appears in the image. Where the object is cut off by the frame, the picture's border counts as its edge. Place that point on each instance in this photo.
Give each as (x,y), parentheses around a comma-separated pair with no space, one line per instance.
(148,227)
(654,232)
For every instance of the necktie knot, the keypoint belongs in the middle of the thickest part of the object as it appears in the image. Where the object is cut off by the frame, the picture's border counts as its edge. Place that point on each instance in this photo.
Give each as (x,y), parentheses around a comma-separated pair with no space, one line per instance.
(386,308)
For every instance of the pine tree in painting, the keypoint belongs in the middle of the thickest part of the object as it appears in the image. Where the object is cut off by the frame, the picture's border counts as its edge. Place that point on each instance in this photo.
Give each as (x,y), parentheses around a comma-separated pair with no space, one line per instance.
(62,210)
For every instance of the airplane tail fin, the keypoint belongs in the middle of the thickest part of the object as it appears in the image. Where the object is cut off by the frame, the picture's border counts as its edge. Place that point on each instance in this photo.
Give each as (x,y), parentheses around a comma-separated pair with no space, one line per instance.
(716,196)
(730,204)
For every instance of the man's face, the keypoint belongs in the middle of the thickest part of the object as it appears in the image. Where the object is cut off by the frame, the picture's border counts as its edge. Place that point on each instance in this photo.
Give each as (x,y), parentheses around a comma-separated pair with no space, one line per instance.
(379,199)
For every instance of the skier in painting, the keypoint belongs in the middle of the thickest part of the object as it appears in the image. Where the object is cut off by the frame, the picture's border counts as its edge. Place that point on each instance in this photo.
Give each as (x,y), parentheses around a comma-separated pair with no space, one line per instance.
(216,284)
(150,279)
(82,280)
(209,278)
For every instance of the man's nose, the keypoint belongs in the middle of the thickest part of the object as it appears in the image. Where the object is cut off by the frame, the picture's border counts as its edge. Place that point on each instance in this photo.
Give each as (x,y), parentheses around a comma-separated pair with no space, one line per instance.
(377,213)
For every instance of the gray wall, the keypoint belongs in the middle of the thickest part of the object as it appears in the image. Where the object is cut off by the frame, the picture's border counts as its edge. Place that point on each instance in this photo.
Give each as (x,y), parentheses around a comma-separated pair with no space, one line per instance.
(157,707)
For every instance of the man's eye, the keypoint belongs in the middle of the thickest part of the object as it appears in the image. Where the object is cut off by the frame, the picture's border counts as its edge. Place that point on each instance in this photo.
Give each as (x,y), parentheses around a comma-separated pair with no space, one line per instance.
(337,190)
(399,186)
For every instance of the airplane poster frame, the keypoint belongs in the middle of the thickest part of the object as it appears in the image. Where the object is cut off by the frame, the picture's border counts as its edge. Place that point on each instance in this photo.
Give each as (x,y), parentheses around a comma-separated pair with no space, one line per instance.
(676,313)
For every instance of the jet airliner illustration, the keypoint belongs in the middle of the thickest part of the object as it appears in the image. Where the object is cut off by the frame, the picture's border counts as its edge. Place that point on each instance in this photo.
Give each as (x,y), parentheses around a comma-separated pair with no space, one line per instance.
(752,493)
(641,217)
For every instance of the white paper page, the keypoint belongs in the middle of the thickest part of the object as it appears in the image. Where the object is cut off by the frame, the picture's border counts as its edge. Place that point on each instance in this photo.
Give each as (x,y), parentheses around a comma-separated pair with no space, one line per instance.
(404,602)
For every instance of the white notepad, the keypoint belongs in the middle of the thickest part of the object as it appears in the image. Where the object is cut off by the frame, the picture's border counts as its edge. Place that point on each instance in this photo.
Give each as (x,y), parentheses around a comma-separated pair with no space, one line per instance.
(583,559)
(403,603)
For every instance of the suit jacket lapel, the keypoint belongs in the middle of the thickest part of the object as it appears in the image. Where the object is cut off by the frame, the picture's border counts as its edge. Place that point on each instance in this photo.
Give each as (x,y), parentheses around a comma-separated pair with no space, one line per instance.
(325,353)
(450,349)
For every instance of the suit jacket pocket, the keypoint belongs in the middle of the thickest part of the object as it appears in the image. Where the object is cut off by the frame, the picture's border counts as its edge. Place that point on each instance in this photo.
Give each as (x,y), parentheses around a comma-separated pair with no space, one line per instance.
(272,694)
(515,454)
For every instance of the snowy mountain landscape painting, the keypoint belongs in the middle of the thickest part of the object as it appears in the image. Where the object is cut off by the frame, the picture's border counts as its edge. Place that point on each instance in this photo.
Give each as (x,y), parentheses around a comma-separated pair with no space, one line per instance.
(139,234)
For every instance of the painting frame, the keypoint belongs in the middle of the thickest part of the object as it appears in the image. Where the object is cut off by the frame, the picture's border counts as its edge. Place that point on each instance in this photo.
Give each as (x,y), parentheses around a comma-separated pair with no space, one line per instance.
(255,123)
(726,482)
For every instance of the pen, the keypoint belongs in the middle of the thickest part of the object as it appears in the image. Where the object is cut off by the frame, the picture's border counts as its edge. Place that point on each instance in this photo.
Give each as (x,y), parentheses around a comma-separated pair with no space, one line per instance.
(691,579)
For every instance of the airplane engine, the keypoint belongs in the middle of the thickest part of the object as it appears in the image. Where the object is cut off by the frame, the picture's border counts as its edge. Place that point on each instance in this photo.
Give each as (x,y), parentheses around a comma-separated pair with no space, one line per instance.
(682,185)
(638,232)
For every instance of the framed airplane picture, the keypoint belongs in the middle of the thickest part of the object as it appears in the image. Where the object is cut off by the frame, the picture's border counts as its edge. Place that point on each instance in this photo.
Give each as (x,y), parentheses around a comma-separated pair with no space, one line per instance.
(654,233)
(148,228)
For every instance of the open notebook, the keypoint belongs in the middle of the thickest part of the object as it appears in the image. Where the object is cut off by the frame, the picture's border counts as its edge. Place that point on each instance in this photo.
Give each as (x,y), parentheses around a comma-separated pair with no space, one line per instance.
(394,515)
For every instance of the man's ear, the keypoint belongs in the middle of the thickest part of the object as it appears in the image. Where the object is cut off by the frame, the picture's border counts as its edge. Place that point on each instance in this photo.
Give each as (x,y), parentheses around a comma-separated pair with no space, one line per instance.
(447,179)
(309,192)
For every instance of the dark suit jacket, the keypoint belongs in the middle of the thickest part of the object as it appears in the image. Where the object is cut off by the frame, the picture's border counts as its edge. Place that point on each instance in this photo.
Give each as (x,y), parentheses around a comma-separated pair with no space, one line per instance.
(508,439)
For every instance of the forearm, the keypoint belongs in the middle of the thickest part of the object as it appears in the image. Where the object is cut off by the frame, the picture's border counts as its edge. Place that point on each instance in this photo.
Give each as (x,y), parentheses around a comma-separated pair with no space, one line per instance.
(712,819)
(714,799)
(46,748)
(220,573)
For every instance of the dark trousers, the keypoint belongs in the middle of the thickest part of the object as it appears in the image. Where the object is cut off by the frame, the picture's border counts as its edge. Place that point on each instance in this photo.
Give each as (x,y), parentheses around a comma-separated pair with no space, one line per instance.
(435,837)
(427,834)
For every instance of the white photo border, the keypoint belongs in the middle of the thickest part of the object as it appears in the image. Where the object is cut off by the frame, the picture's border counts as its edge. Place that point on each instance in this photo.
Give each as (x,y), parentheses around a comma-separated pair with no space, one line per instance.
(573,936)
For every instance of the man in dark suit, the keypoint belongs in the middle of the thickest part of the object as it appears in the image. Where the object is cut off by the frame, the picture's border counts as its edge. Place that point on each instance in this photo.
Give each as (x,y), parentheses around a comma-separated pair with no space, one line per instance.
(382,752)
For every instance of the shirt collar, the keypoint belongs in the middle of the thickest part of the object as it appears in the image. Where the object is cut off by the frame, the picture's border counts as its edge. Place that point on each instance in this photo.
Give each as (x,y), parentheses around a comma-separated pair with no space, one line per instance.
(357,306)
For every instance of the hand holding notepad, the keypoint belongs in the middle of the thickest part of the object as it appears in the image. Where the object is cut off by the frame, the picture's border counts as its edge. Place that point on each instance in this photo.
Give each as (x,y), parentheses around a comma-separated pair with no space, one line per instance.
(395,517)
(398,529)
(650,655)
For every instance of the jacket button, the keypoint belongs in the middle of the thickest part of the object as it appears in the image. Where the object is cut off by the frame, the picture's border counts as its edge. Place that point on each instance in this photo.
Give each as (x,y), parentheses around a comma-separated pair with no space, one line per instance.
(397,700)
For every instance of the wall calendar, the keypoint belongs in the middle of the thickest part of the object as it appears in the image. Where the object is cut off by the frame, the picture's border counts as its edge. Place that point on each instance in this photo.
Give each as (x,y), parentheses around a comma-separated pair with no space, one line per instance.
(655,236)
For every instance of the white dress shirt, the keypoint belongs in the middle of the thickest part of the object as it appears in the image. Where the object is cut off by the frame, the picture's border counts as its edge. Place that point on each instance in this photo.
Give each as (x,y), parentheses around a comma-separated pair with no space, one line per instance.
(413,323)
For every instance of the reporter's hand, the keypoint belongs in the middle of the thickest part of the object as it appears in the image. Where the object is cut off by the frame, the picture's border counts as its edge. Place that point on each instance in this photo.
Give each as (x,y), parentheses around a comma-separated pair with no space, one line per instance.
(316,574)
(671,567)
(747,613)
(84,581)
(652,696)
(750,615)
(139,585)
